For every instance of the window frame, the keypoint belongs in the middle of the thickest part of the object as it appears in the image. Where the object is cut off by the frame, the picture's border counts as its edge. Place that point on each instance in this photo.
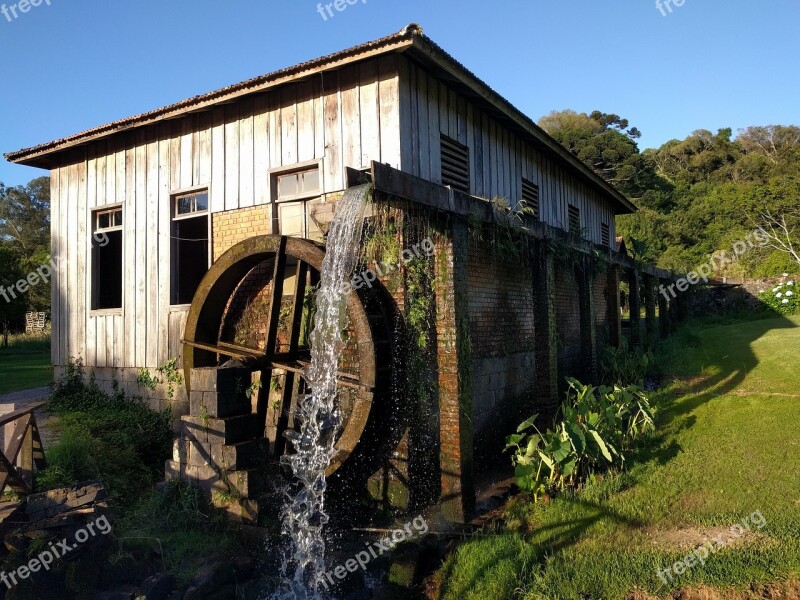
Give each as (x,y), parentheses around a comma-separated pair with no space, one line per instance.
(106,210)
(94,215)
(175,196)
(173,216)
(302,167)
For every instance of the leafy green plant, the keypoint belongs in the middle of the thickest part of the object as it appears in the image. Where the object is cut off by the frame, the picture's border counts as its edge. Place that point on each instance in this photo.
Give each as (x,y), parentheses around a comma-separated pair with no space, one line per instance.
(595,430)
(169,375)
(107,436)
(625,365)
(254,387)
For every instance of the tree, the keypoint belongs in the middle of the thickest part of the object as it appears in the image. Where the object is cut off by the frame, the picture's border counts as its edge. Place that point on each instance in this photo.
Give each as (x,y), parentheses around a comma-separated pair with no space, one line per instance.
(12,304)
(780,230)
(777,143)
(25,229)
(25,216)
(606,144)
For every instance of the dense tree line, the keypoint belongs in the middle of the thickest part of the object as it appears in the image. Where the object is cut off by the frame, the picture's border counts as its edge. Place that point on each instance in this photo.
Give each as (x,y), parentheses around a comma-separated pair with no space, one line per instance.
(24,247)
(699,195)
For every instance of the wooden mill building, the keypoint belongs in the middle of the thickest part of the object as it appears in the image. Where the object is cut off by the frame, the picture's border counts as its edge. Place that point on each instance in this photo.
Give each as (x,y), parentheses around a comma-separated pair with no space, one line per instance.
(143,207)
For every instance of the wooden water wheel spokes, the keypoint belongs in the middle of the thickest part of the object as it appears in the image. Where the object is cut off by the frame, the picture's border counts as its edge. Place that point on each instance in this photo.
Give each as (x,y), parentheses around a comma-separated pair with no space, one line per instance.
(297,262)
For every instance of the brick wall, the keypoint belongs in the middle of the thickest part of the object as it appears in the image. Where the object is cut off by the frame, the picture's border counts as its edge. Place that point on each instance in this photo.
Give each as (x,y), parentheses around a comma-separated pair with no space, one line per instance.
(234,226)
(568,323)
(600,291)
(501,314)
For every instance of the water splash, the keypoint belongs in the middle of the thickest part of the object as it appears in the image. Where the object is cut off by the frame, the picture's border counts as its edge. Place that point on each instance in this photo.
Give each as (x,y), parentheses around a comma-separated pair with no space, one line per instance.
(304,517)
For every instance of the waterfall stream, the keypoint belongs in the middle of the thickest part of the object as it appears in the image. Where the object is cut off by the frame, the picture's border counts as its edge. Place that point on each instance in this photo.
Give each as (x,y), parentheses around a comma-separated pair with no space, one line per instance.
(304,516)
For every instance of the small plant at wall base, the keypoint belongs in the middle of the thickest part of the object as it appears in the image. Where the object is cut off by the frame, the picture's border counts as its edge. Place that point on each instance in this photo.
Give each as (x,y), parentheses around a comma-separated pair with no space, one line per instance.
(170,373)
(782,298)
(625,366)
(595,431)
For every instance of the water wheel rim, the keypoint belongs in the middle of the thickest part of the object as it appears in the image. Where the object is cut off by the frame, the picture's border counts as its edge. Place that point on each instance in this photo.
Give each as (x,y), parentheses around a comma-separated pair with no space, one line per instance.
(219,284)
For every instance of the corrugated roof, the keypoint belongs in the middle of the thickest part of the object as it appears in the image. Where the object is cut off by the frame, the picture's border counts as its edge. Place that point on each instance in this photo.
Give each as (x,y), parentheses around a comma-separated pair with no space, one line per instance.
(410,39)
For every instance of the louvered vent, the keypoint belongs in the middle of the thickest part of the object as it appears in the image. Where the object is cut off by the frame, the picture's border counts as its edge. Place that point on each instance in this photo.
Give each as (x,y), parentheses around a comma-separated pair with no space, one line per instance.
(455,165)
(605,234)
(530,196)
(574,220)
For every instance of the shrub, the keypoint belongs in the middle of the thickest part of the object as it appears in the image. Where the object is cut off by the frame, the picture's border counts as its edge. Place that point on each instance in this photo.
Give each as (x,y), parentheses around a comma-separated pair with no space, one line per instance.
(625,366)
(595,430)
(782,298)
(116,439)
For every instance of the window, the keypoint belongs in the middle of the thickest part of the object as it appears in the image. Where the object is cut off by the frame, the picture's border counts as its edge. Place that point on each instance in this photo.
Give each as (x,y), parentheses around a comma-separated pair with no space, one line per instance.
(574,220)
(295,193)
(189,245)
(297,185)
(605,234)
(530,197)
(455,164)
(107,259)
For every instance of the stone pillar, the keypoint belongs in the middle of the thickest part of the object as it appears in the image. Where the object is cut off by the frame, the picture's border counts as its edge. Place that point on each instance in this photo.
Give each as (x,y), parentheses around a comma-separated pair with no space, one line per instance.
(673,312)
(634,302)
(454,359)
(650,306)
(545,331)
(221,445)
(663,314)
(614,314)
(588,321)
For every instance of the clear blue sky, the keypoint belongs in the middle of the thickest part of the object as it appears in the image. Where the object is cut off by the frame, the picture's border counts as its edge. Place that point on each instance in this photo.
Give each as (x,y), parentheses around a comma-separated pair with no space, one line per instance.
(76,64)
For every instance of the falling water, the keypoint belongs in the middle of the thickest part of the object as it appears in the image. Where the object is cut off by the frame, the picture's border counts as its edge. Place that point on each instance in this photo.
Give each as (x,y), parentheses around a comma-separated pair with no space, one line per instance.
(304,516)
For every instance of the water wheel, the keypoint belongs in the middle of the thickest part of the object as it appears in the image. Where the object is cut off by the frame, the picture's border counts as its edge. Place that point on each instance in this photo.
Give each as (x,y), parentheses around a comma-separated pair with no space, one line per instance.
(286,270)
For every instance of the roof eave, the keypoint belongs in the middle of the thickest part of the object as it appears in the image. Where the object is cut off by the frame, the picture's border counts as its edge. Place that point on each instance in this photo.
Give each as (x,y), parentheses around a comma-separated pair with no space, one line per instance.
(433,52)
(41,156)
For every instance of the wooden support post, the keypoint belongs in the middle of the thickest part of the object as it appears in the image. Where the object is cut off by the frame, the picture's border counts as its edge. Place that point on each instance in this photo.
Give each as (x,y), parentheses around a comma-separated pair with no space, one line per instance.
(454,358)
(634,302)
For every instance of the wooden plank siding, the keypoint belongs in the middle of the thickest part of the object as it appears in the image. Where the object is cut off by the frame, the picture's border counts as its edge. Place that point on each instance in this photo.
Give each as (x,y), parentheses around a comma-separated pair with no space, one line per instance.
(499,157)
(346,119)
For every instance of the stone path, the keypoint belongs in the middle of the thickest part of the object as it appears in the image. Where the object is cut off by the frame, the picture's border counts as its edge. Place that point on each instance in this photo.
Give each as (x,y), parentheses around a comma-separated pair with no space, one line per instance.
(25,396)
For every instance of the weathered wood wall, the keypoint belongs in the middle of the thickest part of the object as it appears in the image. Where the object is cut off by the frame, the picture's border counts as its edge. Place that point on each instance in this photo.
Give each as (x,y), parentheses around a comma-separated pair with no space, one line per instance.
(386,110)
(346,119)
(499,158)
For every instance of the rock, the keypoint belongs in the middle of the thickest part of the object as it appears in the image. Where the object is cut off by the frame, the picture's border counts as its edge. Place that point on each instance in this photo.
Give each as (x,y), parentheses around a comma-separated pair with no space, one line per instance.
(156,587)
(244,566)
(16,543)
(227,592)
(216,581)
(124,592)
(55,502)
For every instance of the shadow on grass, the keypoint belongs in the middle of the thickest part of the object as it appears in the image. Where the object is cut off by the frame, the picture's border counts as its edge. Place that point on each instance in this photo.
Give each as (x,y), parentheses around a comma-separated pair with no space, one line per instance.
(543,542)
(731,368)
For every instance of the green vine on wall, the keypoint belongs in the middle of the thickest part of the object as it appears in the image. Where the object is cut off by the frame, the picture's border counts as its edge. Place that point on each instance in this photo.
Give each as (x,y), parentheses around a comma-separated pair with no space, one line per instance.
(169,375)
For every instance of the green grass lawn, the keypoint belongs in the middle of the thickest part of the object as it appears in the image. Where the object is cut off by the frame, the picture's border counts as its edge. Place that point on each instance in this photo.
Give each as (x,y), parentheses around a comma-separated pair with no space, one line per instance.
(25,364)
(728,445)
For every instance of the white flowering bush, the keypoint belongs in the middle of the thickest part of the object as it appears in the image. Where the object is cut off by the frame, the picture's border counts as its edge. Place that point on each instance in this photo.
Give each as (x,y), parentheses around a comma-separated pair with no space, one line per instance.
(782,298)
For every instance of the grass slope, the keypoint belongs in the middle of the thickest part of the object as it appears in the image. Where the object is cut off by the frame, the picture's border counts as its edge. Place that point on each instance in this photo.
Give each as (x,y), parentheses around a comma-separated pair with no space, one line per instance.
(728,445)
